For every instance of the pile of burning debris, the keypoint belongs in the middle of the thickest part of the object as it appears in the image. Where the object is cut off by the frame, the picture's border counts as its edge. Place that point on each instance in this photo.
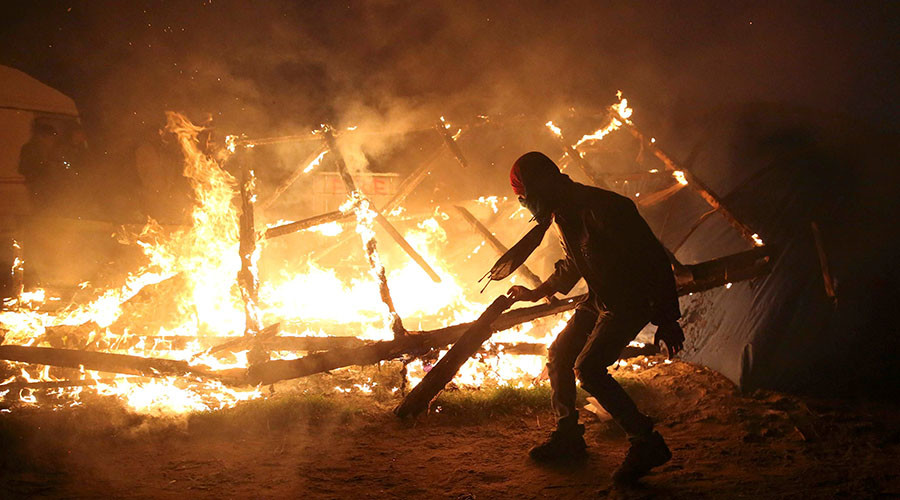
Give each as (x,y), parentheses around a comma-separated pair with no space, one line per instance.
(183,334)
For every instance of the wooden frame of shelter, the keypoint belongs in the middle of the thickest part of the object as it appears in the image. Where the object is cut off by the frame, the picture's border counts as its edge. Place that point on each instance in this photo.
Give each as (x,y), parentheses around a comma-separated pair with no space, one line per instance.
(335,352)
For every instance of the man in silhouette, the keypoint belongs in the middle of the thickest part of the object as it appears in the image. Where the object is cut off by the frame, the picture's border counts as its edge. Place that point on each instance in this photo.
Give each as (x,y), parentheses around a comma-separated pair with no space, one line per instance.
(630,283)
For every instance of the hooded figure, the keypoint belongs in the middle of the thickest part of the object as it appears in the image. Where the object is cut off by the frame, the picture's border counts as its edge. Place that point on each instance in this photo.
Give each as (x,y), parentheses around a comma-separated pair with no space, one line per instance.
(630,283)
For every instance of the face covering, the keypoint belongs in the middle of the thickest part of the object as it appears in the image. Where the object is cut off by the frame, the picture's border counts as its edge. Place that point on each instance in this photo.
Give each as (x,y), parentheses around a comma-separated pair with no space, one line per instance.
(539,208)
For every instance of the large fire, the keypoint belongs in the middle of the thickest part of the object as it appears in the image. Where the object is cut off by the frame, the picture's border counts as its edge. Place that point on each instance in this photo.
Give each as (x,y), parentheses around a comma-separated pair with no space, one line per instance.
(195,268)
(205,256)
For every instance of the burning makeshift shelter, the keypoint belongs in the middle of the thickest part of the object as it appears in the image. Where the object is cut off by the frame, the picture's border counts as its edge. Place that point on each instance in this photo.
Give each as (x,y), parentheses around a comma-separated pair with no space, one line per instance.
(224,304)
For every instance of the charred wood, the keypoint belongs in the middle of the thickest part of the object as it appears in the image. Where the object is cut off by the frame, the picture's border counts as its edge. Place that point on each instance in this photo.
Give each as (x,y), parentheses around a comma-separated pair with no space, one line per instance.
(248,282)
(451,143)
(730,269)
(379,218)
(707,275)
(245,342)
(300,225)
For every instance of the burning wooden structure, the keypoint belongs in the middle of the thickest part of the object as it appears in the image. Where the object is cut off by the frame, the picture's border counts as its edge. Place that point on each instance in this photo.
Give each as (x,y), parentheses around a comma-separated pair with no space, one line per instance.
(80,346)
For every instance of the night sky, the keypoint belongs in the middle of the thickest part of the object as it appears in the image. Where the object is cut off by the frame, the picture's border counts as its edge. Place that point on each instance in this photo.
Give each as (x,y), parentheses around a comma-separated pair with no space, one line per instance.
(268,68)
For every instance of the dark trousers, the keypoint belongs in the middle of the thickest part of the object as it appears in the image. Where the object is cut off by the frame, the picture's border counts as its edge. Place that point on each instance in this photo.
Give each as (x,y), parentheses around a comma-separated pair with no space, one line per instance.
(590,342)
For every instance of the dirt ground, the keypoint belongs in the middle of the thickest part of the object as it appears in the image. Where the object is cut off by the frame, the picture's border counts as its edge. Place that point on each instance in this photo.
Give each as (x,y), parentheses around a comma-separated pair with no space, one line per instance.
(725,445)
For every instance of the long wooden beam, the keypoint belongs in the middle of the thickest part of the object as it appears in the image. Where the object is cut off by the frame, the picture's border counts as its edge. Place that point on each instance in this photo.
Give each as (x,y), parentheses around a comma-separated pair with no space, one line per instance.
(579,160)
(451,143)
(300,225)
(248,280)
(113,363)
(707,275)
(414,343)
(443,372)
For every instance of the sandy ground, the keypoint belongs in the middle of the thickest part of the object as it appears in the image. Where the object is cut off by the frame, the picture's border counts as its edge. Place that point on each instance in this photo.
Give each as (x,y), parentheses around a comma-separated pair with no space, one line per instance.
(725,445)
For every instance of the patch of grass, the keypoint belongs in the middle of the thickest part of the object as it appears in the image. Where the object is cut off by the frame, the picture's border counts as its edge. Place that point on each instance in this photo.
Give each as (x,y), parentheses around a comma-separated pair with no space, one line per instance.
(277,413)
(486,403)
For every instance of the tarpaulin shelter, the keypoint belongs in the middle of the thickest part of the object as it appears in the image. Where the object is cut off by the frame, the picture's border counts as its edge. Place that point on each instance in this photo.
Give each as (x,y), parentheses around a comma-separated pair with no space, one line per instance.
(821,189)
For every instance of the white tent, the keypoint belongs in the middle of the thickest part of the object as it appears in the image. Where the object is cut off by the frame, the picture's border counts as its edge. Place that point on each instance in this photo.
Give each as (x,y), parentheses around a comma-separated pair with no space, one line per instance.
(22,99)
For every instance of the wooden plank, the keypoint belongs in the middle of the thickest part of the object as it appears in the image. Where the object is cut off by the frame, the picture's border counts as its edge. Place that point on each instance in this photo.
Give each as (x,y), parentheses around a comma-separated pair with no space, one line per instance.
(114,363)
(443,372)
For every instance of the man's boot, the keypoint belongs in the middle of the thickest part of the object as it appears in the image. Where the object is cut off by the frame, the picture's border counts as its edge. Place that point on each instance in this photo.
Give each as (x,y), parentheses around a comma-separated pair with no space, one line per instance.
(565,443)
(646,452)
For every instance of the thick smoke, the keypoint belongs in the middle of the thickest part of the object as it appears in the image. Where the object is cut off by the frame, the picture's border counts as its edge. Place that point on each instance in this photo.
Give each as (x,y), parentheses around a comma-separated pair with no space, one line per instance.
(269,67)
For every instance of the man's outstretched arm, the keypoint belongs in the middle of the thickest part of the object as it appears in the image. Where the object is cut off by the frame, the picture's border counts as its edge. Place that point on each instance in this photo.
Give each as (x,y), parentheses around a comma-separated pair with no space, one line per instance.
(562,280)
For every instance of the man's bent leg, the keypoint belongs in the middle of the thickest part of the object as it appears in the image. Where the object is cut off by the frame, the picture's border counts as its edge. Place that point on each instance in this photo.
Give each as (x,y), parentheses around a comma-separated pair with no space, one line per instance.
(610,336)
(561,358)
(567,441)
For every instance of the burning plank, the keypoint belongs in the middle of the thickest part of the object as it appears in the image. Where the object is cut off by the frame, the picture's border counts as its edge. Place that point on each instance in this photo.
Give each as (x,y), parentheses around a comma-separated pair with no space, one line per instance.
(441,127)
(442,373)
(245,342)
(351,351)
(248,280)
(405,189)
(379,217)
(364,209)
(660,196)
(576,157)
(113,363)
(730,269)
(707,275)
(300,225)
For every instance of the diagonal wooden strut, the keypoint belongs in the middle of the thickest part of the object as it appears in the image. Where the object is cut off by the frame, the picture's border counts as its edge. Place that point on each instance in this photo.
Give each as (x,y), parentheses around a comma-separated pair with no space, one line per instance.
(705,192)
(382,221)
(496,244)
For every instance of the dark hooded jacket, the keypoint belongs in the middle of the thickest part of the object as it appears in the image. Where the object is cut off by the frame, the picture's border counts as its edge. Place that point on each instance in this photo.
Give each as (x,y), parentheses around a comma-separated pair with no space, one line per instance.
(609,244)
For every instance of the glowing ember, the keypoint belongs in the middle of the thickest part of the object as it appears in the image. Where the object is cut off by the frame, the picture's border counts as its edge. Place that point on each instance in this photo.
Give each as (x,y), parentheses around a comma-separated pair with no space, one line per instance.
(553,128)
(620,114)
(491,201)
